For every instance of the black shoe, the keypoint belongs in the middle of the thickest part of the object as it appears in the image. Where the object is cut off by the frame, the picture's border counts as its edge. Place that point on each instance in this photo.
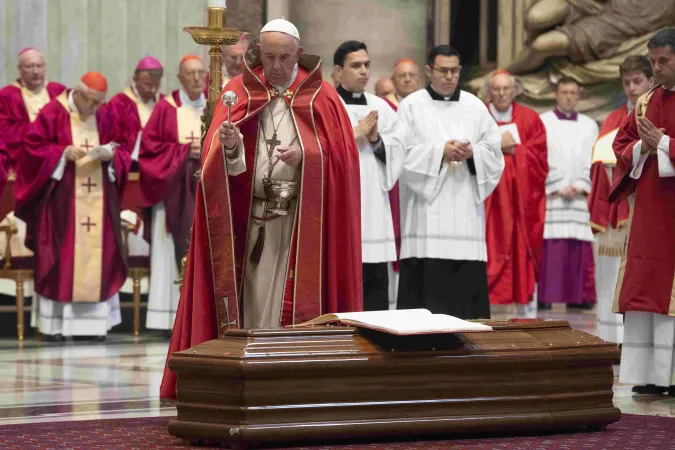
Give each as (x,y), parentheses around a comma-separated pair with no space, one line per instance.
(89,338)
(544,306)
(53,338)
(671,391)
(650,389)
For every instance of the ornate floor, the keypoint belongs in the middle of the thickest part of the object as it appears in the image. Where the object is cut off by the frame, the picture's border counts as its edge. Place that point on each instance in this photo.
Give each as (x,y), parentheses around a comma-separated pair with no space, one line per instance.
(78,381)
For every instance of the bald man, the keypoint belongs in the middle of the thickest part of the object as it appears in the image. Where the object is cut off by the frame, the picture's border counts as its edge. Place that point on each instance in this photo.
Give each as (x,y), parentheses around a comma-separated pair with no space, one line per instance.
(406,80)
(21,101)
(516,209)
(69,184)
(167,162)
(233,58)
(384,87)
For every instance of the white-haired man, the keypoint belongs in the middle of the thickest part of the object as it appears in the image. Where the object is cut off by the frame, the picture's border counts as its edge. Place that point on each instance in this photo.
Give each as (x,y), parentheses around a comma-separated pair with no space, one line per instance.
(21,101)
(68,188)
(276,238)
(516,210)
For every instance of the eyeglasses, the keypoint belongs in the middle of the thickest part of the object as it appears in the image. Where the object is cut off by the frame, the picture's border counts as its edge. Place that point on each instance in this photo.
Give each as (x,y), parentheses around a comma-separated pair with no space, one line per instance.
(445,71)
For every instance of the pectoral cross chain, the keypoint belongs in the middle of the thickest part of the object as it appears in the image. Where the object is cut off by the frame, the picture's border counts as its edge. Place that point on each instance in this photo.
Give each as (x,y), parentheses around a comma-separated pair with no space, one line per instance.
(272,144)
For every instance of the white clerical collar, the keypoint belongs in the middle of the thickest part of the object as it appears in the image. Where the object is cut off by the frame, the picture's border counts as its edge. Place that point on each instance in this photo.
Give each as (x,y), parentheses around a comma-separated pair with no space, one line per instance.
(139,98)
(281,89)
(71,103)
(630,106)
(499,116)
(185,99)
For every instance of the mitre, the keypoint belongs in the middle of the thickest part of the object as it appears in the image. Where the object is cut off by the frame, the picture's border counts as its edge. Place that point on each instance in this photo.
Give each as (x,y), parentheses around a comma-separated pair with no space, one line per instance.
(281,26)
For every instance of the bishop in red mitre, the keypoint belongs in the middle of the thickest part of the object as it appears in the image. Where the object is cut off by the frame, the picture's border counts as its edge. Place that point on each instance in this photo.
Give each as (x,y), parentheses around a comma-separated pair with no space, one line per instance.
(133,106)
(168,161)
(645,175)
(516,210)
(21,101)
(258,259)
(70,179)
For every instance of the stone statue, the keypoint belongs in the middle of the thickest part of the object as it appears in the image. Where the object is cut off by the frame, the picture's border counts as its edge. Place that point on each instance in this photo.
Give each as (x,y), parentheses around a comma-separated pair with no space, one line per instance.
(588,30)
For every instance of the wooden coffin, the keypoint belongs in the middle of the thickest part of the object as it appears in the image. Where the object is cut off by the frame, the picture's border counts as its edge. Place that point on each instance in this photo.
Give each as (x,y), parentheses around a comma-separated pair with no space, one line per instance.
(261,386)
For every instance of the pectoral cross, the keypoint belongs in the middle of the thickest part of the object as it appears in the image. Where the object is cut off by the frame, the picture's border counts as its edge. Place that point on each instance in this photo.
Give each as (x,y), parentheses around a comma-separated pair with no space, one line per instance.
(86,145)
(272,144)
(192,138)
(89,185)
(88,224)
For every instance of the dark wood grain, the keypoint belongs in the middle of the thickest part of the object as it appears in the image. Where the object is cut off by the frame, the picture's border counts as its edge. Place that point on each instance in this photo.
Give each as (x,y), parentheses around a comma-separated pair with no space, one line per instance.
(258,386)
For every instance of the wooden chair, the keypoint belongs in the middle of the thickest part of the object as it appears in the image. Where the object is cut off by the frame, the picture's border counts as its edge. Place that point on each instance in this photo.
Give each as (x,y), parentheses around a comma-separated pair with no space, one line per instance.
(19,269)
(138,267)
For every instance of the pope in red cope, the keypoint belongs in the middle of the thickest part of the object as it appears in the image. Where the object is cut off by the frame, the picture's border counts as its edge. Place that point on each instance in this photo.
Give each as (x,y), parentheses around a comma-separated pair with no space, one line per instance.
(256,261)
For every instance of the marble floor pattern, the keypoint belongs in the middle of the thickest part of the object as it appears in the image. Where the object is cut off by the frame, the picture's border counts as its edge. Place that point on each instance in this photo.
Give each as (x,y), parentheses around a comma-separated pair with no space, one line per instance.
(45,382)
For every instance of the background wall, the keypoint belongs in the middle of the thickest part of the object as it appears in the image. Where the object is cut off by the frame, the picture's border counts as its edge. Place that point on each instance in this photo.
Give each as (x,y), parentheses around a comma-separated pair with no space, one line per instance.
(108,36)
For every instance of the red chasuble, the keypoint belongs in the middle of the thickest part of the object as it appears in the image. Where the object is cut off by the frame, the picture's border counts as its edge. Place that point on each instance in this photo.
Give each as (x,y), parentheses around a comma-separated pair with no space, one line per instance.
(167,174)
(604,213)
(49,207)
(325,260)
(15,119)
(4,163)
(647,274)
(515,214)
(126,111)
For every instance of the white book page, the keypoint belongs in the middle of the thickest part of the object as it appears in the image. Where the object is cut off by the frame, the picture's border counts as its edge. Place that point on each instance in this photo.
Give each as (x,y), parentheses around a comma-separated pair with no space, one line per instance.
(412,321)
(513,129)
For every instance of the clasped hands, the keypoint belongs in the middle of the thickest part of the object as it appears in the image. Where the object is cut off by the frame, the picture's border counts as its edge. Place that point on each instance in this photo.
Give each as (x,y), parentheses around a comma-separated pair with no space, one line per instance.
(101,153)
(368,127)
(650,135)
(569,193)
(229,137)
(455,151)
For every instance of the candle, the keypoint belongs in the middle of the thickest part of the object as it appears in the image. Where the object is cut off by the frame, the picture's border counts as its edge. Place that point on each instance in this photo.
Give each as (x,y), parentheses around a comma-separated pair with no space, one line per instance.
(217,3)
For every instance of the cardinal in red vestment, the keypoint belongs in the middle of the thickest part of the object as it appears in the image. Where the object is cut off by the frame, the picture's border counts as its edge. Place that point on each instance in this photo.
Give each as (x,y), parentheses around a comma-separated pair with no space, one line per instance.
(645,175)
(70,179)
(168,161)
(21,101)
(516,210)
(257,259)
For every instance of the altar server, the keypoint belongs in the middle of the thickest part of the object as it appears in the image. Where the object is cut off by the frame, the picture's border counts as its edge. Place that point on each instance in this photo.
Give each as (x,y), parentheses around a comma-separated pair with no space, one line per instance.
(566,274)
(455,162)
(381,138)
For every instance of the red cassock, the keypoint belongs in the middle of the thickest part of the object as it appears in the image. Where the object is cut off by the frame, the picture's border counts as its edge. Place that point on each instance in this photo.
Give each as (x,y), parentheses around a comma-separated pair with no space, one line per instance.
(604,213)
(48,205)
(14,121)
(515,214)
(325,261)
(646,278)
(167,174)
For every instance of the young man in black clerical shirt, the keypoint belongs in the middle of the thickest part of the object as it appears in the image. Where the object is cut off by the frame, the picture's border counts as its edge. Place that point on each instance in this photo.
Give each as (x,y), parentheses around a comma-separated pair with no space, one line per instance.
(455,161)
(381,138)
